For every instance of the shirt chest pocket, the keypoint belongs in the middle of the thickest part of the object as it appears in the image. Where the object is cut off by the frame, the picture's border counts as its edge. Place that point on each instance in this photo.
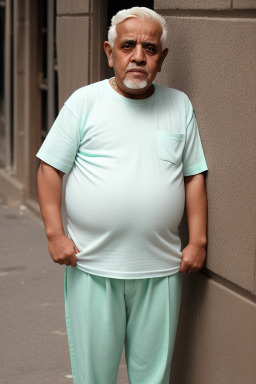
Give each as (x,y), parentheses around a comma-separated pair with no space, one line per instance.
(170,146)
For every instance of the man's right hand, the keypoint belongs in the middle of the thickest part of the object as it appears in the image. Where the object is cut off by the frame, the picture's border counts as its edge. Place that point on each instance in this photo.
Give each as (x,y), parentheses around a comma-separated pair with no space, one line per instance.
(62,250)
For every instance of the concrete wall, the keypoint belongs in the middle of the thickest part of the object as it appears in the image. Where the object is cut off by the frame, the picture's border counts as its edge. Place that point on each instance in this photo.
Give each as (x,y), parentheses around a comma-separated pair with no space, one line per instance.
(80,31)
(72,46)
(18,180)
(212,58)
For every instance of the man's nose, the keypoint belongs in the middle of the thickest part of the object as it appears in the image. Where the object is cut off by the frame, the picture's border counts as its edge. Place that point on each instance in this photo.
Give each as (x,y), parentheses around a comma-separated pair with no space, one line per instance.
(138,55)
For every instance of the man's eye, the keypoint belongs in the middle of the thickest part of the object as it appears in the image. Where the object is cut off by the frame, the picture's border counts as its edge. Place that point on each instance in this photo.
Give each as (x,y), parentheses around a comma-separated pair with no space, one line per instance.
(127,46)
(151,49)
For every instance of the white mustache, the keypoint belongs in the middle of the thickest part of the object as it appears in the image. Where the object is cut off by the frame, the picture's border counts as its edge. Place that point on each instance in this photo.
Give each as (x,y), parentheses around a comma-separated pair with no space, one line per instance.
(129,67)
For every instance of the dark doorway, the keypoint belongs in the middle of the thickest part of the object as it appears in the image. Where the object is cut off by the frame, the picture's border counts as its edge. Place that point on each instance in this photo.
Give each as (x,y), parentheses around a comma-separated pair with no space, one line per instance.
(115,6)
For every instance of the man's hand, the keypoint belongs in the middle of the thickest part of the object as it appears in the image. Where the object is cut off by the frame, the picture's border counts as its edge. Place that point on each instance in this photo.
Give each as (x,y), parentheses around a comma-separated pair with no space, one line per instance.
(193,258)
(62,250)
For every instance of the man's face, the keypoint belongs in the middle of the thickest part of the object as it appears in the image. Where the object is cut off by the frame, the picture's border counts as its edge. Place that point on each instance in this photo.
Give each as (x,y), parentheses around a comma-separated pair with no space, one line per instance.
(137,56)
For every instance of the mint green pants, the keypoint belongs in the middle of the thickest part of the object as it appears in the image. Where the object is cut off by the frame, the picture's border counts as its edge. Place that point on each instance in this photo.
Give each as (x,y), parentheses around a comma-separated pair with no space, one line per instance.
(104,314)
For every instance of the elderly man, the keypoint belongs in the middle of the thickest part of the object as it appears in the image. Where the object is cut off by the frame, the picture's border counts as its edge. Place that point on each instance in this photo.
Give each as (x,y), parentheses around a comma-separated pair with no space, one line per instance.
(133,155)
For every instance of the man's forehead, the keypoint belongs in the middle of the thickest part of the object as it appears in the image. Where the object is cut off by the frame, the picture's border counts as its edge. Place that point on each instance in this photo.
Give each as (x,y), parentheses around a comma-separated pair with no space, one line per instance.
(132,28)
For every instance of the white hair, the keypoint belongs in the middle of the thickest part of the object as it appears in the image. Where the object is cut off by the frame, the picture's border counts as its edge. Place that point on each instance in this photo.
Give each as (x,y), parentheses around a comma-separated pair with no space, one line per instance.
(138,13)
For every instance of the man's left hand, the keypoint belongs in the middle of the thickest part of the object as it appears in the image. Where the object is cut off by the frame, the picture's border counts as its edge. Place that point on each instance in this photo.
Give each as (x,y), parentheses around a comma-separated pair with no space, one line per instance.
(193,258)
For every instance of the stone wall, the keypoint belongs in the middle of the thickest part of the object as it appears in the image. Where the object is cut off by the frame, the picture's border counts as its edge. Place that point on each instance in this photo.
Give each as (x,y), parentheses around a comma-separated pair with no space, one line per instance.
(212,59)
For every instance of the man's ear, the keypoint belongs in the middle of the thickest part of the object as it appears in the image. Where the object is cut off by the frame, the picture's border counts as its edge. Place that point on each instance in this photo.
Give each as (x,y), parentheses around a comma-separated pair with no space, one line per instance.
(109,53)
(164,54)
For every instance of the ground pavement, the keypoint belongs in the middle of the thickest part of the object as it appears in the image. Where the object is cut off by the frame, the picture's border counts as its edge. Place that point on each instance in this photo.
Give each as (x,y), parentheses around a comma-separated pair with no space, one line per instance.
(33,347)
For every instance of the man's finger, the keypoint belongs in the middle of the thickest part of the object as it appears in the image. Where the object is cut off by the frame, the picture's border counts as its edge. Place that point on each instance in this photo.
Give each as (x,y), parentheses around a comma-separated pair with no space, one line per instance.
(182,268)
(77,250)
(73,261)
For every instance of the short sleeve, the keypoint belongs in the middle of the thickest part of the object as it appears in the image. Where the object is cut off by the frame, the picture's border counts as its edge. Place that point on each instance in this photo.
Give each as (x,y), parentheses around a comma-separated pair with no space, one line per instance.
(61,144)
(193,155)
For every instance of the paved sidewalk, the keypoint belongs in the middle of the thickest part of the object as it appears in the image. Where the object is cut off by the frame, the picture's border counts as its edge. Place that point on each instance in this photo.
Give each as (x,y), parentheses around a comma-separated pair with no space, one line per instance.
(33,348)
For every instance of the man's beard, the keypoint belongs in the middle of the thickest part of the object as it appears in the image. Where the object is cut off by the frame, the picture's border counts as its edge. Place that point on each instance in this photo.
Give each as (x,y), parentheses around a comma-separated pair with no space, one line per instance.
(135,84)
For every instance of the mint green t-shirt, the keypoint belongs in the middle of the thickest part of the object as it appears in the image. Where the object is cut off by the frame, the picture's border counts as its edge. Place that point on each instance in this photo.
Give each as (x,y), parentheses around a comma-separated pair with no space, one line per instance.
(126,161)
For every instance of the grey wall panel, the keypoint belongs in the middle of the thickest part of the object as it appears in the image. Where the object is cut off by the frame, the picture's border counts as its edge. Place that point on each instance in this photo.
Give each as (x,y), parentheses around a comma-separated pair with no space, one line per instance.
(216,339)
(226,336)
(213,61)
(192,4)
(244,4)
(72,6)
(73,54)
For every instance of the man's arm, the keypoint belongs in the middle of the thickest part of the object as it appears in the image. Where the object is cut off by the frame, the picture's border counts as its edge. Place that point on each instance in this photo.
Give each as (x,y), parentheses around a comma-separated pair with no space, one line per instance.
(194,254)
(49,185)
